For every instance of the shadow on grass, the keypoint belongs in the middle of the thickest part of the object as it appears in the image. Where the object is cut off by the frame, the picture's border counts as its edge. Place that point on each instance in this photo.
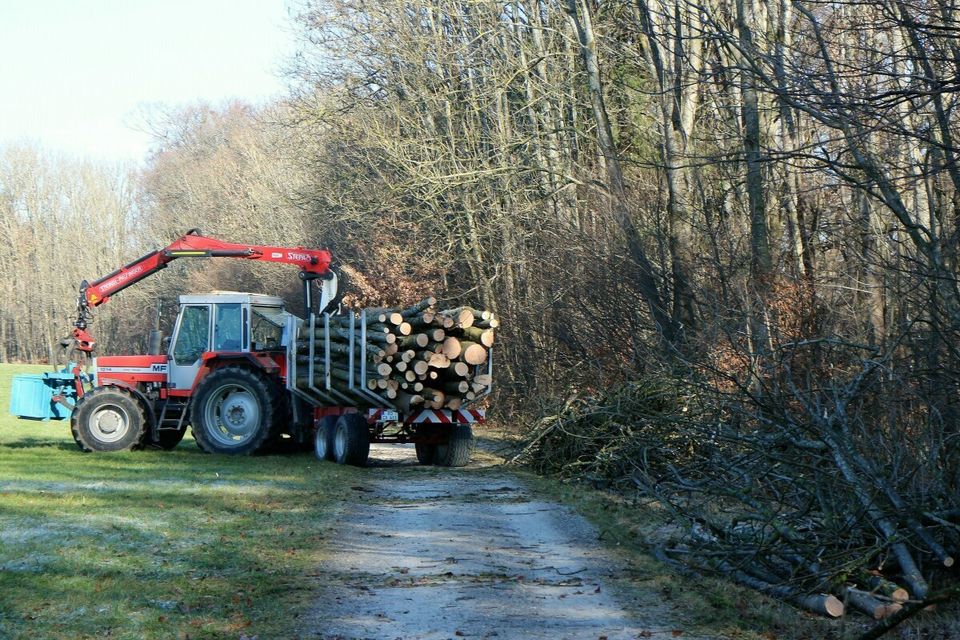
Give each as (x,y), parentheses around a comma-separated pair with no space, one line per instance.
(31,443)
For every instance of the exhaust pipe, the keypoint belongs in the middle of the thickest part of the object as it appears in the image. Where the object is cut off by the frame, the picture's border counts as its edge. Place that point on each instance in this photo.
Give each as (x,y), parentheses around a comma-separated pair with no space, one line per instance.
(153,345)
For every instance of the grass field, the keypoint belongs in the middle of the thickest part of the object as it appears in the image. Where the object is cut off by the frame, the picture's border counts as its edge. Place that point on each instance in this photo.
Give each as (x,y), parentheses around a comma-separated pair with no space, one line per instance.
(153,544)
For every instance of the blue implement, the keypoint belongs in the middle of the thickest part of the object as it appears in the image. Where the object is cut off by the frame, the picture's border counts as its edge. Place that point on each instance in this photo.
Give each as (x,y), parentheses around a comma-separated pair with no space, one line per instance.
(43,396)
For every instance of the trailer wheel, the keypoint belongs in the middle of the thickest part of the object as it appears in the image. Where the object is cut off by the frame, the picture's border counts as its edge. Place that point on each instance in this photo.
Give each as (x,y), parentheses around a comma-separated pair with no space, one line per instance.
(108,419)
(426,453)
(456,453)
(233,411)
(351,441)
(323,441)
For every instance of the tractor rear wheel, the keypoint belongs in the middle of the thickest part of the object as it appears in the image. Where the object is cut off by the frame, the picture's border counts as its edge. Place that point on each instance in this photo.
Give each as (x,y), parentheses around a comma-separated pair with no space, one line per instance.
(323,441)
(108,419)
(351,442)
(234,411)
(456,453)
(426,453)
(167,439)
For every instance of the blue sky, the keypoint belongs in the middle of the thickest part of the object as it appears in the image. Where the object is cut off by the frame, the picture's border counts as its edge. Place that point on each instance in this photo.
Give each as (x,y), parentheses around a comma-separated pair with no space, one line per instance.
(77,75)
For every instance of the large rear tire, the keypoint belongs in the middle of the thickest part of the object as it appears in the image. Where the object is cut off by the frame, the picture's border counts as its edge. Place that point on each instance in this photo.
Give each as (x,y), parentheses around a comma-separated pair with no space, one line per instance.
(108,419)
(167,439)
(234,411)
(456,453)
(351,442)
(323,440)
(426,453)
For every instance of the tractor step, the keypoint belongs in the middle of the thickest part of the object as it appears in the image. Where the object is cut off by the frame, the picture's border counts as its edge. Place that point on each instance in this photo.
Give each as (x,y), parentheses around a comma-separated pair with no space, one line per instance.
(173,414)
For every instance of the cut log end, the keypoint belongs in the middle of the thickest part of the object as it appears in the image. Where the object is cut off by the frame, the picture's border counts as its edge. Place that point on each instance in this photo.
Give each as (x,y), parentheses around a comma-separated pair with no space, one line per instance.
(473,353)
(832,606)
(451,348)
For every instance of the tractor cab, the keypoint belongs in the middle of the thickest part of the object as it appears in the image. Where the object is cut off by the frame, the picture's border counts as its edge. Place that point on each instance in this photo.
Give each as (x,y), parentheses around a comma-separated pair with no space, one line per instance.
(222,322)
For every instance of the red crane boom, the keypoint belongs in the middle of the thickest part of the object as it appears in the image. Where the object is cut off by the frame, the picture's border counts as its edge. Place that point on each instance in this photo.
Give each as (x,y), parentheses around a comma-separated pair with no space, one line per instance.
(313,263)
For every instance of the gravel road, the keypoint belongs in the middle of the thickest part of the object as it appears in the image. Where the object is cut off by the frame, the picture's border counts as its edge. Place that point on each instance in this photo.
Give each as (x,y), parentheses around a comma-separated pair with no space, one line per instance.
(424,553)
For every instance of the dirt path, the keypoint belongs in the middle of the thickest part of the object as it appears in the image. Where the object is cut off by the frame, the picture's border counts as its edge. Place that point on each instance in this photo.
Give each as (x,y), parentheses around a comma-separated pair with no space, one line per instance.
(427,553)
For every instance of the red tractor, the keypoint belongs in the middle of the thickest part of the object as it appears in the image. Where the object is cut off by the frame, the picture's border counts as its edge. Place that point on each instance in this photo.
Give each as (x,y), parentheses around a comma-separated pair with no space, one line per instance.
(230,373)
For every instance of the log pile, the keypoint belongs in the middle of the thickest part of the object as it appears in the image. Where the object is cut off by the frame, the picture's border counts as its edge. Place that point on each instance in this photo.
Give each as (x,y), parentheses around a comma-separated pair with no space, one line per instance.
(417,358)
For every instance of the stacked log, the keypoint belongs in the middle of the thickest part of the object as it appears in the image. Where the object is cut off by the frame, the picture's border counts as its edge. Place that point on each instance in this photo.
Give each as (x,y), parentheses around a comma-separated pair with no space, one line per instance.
(417,358)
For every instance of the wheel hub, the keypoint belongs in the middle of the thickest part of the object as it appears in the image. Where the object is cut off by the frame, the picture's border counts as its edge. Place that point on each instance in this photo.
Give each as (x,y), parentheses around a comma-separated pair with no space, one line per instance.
(109,424)
(235,413)
(340,444)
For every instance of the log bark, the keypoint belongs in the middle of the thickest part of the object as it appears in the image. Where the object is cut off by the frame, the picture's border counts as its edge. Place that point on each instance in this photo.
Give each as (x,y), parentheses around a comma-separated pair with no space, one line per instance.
(863,601)
(338,347)
(417,341)
(482,336)
(458,387)
(418,308)
(881,585)
(433,398)
(408,402)
(463,317)
(492,323)
(824,604)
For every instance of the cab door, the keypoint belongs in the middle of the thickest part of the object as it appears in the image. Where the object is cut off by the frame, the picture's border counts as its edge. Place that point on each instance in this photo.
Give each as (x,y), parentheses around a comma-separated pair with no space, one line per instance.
(191,339)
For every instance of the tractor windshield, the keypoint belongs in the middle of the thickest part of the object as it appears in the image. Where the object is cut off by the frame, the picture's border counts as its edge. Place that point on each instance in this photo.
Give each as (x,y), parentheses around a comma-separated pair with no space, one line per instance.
(267,328)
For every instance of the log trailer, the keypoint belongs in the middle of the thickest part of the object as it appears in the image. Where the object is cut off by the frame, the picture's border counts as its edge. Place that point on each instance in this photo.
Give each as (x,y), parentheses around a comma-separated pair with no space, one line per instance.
(231,374)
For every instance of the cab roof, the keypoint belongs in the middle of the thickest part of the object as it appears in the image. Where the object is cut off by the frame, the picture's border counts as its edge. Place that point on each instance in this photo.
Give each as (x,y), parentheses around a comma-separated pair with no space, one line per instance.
(227,297)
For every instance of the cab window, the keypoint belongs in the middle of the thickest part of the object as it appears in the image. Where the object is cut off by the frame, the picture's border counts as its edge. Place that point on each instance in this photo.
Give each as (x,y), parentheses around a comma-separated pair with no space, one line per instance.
(194,335)
(266,331)
(228,328)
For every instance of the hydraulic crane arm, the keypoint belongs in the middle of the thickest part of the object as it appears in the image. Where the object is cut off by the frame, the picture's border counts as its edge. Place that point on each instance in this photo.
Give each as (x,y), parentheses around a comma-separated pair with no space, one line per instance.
(314,264)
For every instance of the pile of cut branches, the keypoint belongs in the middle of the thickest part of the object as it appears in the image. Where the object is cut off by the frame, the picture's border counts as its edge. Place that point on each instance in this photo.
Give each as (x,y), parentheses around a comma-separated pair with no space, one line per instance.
(600,435)
(835,491)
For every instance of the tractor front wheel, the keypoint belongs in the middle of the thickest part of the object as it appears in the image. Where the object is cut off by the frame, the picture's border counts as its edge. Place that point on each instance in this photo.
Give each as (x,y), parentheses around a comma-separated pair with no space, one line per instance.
(108,419)
(233,411)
